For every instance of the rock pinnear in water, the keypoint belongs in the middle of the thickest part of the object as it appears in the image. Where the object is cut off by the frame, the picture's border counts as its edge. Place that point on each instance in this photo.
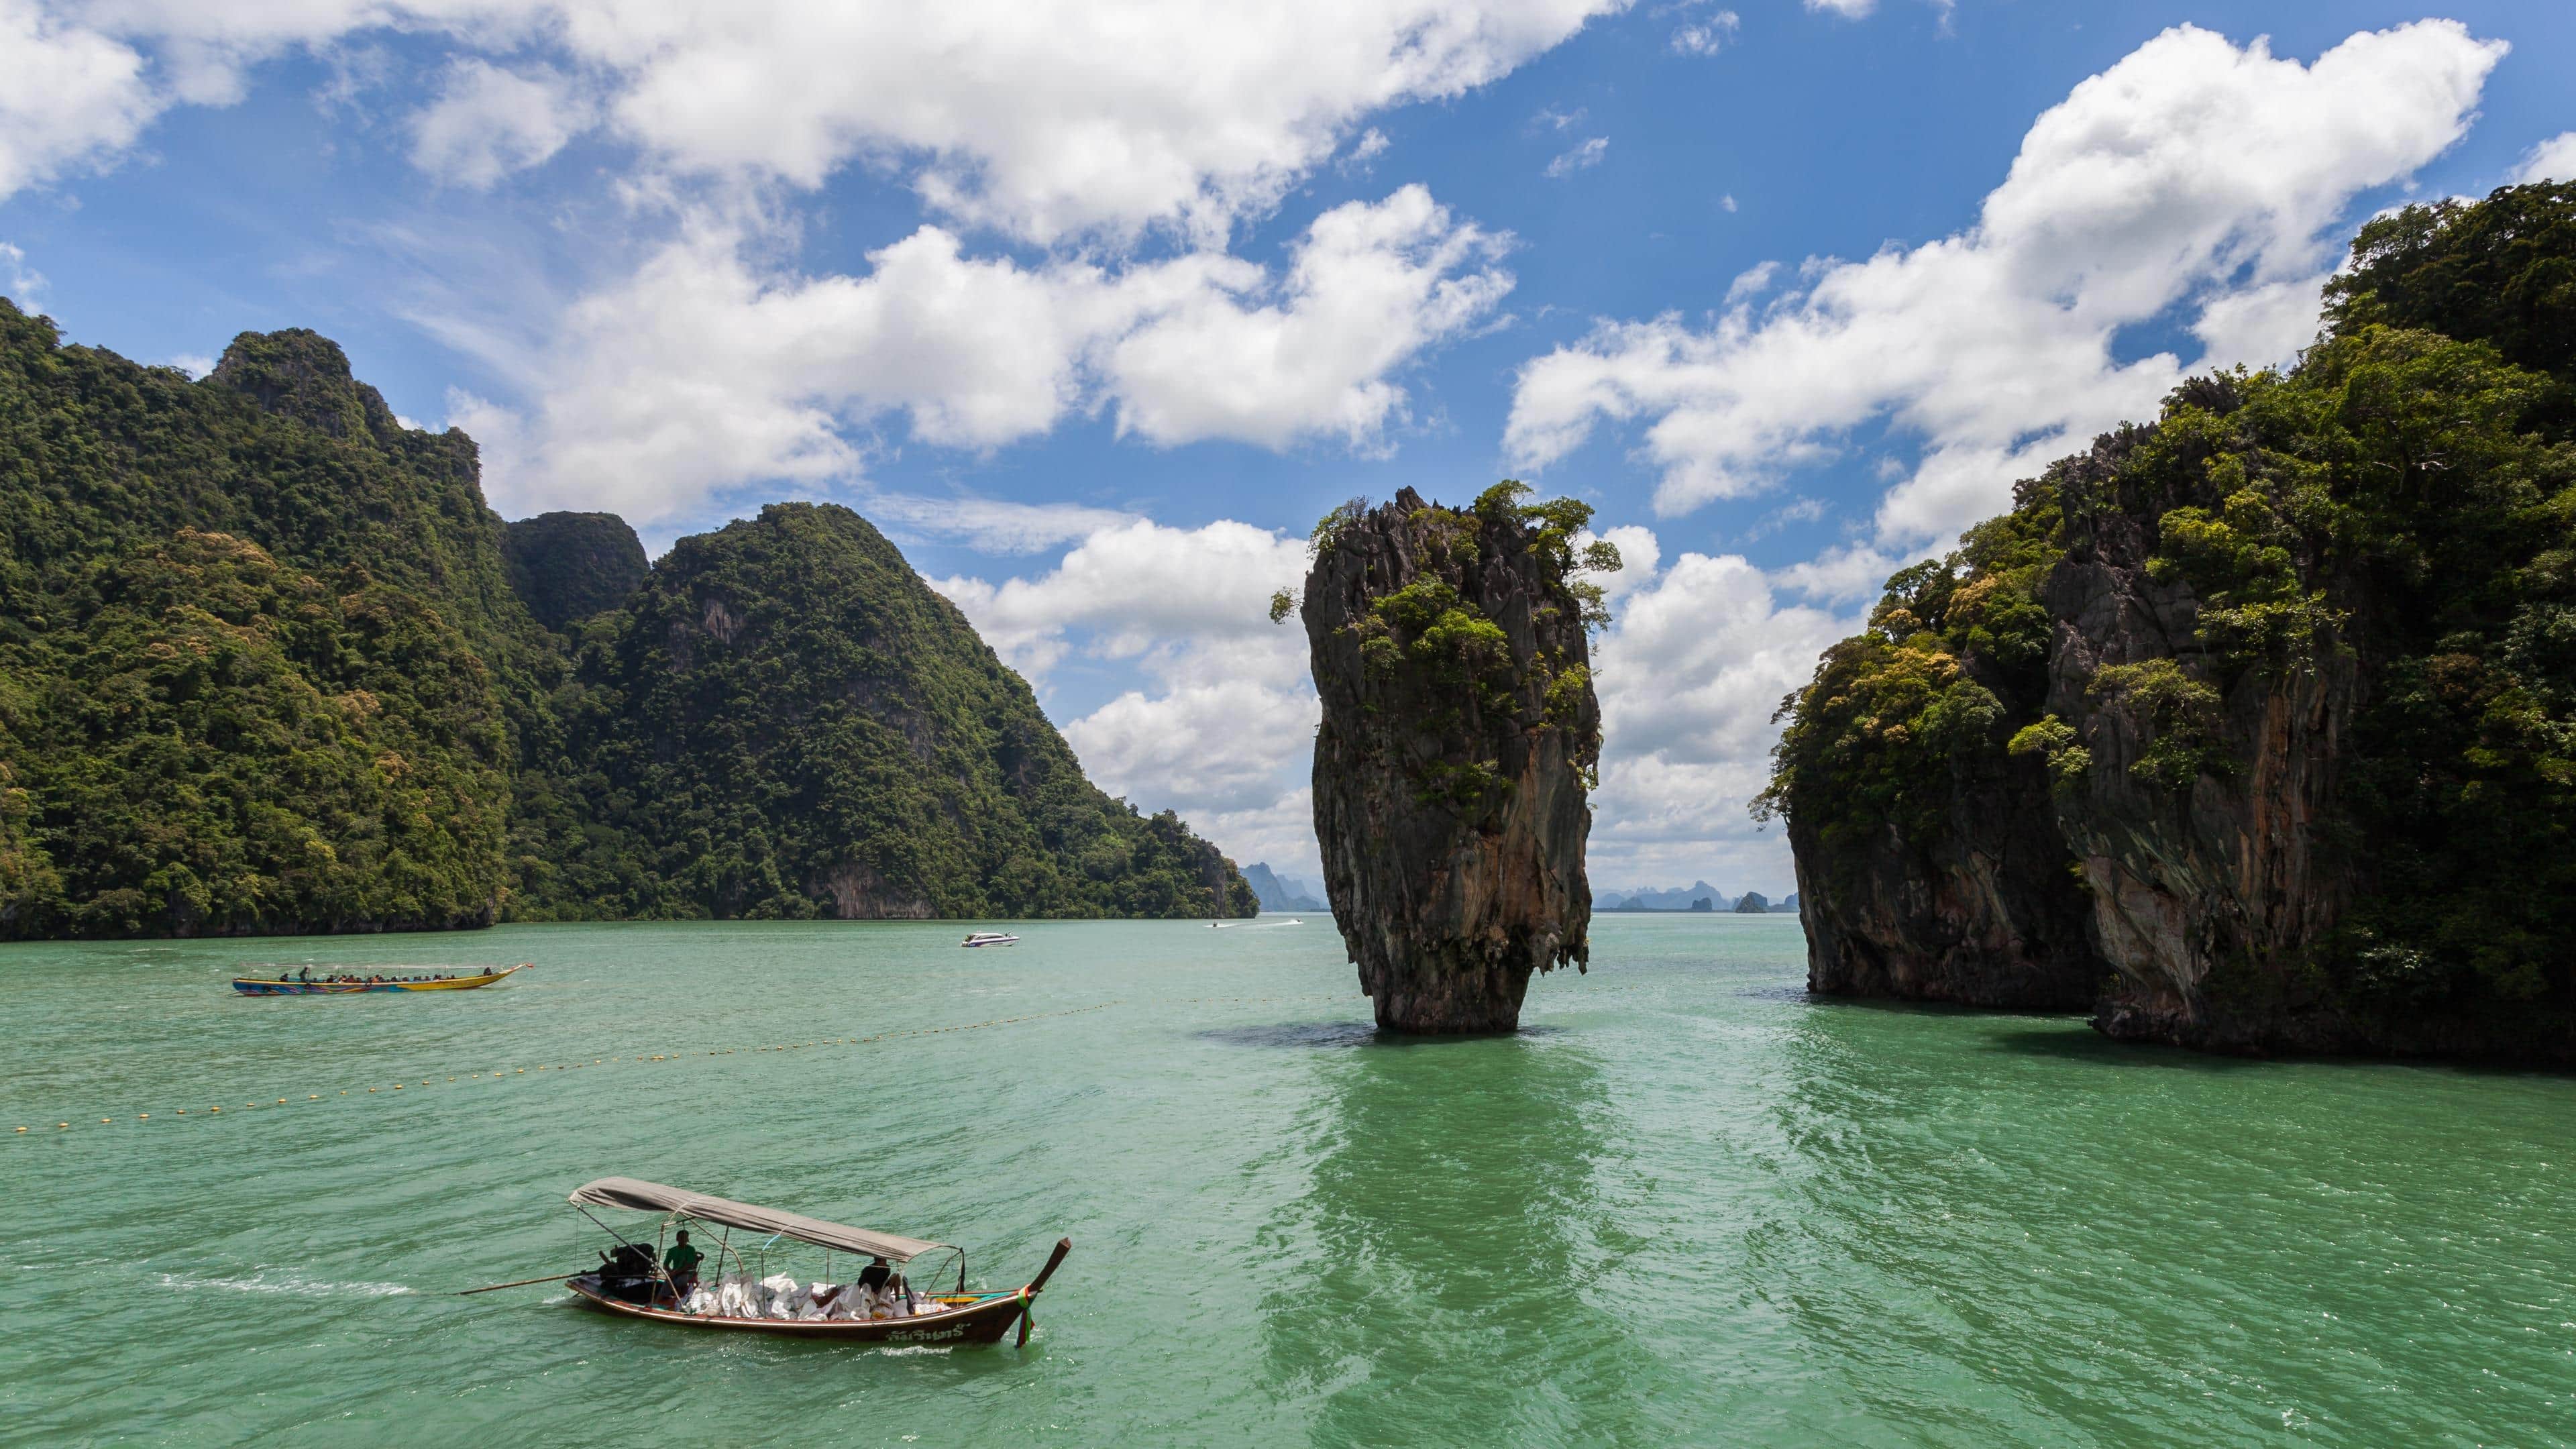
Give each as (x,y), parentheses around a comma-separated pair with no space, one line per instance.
(1459,736)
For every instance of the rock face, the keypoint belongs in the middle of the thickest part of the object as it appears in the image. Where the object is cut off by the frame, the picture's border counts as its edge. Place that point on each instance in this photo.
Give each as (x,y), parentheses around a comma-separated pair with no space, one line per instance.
(568,566)
(1982,910)
(1459,735)
(2247,728)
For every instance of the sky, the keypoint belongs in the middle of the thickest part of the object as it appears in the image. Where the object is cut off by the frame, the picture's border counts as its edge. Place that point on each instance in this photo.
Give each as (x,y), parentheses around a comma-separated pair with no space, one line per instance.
(1096,307)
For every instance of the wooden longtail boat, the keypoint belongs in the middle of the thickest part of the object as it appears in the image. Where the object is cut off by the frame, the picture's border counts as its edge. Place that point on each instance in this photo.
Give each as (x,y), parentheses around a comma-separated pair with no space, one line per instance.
(265,986)
(959,1317)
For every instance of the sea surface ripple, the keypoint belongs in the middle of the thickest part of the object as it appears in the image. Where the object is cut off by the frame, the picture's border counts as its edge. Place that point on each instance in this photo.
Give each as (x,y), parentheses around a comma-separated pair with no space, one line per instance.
(1689,1205)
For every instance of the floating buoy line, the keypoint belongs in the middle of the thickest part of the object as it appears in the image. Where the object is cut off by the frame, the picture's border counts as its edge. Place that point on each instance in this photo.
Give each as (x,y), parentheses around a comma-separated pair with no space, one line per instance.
(500,1073)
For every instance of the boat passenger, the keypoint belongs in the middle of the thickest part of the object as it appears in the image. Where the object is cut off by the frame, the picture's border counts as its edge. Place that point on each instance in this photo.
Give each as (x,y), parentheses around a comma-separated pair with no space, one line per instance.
(683,1261)
(873,1277)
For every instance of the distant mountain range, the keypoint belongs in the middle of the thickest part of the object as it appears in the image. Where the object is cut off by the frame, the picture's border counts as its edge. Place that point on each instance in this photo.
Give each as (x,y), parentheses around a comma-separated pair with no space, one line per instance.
(1278,892)
(1684,898)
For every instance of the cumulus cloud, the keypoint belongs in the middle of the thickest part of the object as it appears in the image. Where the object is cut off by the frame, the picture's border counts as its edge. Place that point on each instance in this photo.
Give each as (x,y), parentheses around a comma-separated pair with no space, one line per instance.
(488,122)
(704,371)
(2194,181)
(71,97)
(2551,160)
(1223,732)
(1179,595)
(1043,118)
(1225,354)
(1699,655)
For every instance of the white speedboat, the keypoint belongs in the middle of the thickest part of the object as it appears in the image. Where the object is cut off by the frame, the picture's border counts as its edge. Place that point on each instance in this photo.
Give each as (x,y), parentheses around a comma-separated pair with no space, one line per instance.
(990,938)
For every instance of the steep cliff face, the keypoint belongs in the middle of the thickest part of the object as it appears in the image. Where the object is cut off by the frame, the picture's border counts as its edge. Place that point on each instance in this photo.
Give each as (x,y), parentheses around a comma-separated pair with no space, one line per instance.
(1982,911)
(1459,735)
(2249,726)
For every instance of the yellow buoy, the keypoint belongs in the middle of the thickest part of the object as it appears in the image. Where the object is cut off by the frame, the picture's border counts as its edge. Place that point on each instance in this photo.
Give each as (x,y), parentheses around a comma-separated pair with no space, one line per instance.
(146,1117)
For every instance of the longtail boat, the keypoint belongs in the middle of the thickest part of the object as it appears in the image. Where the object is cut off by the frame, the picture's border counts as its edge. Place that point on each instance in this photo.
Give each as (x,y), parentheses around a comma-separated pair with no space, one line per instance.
(633,1283)
(351,984)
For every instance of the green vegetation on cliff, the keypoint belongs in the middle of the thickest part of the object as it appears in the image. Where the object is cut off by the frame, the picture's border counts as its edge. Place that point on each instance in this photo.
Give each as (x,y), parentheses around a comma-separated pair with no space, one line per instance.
(268,664)
(2387,531)
(788,722)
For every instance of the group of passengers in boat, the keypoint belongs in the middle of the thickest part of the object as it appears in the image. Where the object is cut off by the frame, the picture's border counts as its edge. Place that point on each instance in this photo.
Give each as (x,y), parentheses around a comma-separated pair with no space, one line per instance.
(306,976)
(878,1291)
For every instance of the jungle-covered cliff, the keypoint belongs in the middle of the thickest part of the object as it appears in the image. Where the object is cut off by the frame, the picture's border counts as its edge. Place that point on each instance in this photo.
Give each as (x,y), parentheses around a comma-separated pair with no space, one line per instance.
(1459,737)
(2252,727)
(269,664)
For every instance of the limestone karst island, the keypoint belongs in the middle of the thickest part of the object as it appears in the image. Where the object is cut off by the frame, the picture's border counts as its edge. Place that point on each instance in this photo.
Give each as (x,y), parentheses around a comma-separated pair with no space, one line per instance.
(1453,723)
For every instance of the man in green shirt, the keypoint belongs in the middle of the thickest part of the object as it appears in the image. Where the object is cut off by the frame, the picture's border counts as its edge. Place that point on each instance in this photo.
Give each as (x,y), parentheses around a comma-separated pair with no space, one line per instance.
(682,1262)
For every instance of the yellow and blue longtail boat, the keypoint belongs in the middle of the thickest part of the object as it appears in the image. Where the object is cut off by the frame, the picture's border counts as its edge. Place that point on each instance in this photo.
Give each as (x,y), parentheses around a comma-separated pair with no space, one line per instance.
(350,983)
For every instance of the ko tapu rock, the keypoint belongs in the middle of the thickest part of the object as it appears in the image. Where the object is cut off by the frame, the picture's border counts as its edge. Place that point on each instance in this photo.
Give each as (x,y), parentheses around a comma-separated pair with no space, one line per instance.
(1459,737)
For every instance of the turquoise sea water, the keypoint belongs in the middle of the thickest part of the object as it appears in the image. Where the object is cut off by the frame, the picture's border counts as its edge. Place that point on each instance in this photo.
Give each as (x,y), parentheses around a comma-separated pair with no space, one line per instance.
(1688,1205)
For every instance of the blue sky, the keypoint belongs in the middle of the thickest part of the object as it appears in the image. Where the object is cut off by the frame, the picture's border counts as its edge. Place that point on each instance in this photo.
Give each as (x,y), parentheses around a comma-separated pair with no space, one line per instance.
(1096,307)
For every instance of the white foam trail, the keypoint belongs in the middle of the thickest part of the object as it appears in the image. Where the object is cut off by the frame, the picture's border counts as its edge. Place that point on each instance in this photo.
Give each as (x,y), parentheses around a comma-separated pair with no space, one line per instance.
(291,1285)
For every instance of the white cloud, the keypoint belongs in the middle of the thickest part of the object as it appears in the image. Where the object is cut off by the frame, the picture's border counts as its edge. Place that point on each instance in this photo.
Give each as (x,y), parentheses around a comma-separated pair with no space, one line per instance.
(1697,658)
(702,371)
(988,525)
(1706,36)
(1144,588)
(1847,9)
(1224,732)
(2551,160)
(1369,288)
(1220,747)
(1044,118)
(2191,177)
(1581,158)
(488,122)
(19,282)
(71,98)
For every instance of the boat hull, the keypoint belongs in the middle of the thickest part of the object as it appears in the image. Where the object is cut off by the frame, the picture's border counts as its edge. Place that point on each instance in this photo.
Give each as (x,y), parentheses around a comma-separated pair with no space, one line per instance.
(255,986)
(979,1323)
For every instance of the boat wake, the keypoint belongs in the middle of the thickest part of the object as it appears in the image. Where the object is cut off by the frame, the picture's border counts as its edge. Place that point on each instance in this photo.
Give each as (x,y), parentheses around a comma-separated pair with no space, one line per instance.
(290,1285)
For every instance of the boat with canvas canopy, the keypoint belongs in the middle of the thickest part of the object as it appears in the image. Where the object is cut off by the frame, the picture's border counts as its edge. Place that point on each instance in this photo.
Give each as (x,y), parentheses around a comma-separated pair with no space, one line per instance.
(337,981)
(743,1291)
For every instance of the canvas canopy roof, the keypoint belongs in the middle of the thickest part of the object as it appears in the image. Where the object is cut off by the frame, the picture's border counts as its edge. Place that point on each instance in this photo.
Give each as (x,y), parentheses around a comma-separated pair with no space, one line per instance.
(628,1192)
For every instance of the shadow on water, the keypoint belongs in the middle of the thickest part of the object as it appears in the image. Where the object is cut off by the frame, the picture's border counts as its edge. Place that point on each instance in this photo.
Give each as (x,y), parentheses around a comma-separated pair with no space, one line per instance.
(1452,1223)
(1329,1034)
(2095,1049)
